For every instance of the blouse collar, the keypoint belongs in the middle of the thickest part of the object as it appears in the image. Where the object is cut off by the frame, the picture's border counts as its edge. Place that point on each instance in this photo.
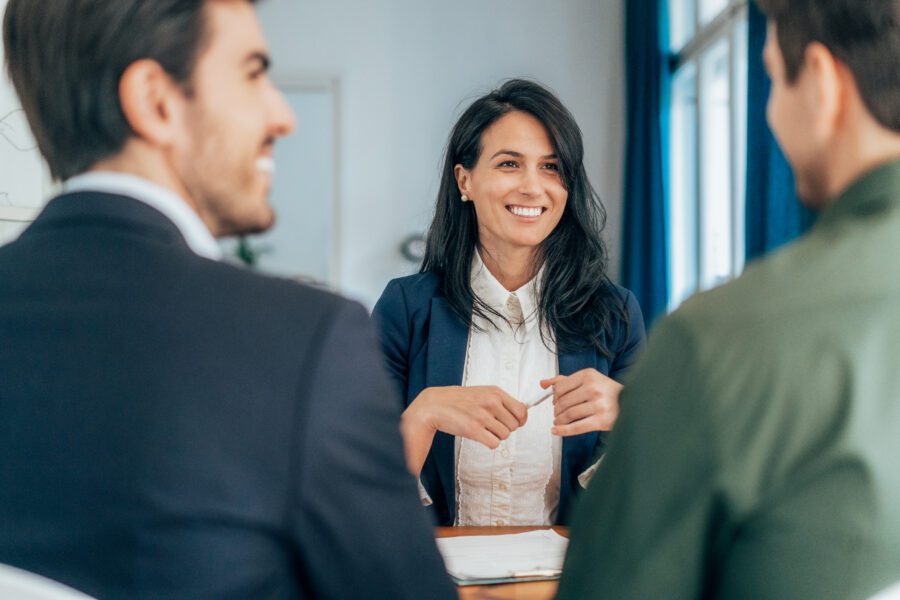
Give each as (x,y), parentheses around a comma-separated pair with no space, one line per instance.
(486,287)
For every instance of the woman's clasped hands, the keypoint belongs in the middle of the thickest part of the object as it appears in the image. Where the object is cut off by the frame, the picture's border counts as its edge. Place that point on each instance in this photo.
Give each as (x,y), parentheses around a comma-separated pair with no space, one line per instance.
(584,401)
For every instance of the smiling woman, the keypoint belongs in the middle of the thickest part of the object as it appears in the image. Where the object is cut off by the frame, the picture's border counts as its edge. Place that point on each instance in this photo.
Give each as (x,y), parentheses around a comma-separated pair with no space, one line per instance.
(513,298)
(517,193)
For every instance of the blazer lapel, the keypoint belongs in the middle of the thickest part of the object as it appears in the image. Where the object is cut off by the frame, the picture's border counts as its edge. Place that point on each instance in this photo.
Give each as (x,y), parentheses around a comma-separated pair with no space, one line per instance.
(447,339)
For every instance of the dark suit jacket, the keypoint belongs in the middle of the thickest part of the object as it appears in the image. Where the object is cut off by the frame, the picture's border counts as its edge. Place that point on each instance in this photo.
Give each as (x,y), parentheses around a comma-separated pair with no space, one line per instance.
(174,427)
(424,344)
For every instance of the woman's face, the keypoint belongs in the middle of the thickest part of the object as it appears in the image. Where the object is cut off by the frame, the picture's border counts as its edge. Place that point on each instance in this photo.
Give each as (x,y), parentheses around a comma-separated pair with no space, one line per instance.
(516,187)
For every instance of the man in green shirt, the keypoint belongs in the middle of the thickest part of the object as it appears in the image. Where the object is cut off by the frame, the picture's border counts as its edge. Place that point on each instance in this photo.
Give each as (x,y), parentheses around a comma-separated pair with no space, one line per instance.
(757,454)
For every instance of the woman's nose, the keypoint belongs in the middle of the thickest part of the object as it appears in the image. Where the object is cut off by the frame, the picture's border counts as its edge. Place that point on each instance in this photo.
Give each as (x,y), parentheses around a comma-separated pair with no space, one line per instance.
(530,184)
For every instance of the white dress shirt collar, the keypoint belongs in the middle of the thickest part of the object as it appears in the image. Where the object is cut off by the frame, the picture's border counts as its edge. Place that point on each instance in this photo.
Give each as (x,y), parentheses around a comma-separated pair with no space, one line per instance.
(195,233)
(492,292)
(519,482)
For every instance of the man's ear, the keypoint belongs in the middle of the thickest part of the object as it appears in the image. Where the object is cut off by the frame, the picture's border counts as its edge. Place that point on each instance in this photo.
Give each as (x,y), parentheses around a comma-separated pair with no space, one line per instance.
(462,179)
(152,102)
(827,89)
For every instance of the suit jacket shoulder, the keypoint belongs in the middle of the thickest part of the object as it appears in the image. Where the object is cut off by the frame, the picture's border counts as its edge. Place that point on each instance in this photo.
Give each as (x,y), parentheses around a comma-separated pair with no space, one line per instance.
(205,431)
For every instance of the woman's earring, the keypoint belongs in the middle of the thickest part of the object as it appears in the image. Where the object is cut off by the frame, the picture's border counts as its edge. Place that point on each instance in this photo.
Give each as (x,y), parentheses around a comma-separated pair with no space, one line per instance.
(464,198)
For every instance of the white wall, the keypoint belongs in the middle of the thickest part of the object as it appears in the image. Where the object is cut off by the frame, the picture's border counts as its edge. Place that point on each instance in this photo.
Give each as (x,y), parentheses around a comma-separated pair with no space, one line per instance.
(407,68)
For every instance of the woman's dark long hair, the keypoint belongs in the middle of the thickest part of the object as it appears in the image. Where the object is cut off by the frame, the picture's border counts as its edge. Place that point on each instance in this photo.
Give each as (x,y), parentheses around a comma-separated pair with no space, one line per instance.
(576,299)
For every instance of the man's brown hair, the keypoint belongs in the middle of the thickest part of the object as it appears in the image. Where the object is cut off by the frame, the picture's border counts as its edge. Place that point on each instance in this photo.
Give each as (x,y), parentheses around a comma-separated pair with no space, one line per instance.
(862,34)
(66,58)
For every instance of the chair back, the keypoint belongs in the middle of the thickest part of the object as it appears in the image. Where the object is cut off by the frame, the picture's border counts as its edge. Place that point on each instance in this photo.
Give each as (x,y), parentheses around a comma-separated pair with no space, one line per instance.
(17,584)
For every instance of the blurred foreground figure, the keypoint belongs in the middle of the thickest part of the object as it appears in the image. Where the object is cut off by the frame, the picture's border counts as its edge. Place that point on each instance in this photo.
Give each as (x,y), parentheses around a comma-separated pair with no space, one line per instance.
(757,453)
(172,426)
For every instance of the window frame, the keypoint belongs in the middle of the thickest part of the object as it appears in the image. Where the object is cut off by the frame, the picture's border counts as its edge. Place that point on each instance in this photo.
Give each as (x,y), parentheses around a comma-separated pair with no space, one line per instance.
(731,25)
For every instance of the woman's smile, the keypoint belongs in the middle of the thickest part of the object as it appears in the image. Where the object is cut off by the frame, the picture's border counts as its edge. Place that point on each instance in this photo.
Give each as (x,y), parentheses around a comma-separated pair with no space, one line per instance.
(530,213)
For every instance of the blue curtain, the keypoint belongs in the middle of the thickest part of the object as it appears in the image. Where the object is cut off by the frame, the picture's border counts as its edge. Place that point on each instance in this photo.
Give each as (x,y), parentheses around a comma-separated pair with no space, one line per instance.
(773,214)
(645,263)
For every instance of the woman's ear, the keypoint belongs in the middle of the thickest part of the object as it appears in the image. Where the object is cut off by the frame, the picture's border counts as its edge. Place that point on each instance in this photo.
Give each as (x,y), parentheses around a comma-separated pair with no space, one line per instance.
(462,179)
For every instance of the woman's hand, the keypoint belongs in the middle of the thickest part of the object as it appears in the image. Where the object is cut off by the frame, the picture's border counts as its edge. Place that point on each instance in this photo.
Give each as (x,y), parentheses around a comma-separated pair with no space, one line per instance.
(484,414)
(586,400)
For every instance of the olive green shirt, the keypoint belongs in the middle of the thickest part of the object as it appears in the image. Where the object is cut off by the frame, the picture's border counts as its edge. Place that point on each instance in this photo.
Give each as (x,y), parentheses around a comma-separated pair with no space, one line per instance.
(757,454)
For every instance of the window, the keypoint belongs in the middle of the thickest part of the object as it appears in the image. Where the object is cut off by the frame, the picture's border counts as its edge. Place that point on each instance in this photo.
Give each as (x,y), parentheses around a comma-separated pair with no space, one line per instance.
(708,122)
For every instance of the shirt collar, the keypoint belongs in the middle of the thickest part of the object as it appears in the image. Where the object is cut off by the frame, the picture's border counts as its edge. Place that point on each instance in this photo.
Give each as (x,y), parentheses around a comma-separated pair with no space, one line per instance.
(195,233)
(492,292)
(873,192)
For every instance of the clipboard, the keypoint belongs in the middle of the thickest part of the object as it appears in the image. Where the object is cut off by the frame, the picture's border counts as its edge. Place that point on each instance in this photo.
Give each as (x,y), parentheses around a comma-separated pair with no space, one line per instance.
(504,558)
(516,577)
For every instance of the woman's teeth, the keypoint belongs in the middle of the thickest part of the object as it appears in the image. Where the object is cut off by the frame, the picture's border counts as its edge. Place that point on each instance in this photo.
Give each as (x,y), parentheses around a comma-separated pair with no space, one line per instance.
(521,211)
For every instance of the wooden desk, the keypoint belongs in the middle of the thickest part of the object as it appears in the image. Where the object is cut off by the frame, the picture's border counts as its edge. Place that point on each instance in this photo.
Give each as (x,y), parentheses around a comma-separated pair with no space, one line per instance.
(534,590)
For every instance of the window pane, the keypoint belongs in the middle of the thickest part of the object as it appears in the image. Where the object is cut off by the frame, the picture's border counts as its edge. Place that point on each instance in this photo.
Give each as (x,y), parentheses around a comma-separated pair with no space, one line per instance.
(739,66)
(710,9)
(716,157)
(682,20)
(683,186)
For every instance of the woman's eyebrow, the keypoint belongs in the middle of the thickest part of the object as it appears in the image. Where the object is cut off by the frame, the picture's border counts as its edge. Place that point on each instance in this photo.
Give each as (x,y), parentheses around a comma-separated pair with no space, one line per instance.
(518,154)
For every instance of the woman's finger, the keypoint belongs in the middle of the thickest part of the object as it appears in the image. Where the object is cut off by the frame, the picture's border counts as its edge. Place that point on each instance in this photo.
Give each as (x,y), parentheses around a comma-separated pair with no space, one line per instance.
(576,428)
(574,397)
(517,410)
(497,428)
(487,438)
(507,418)
(563,384)
(577,412)
(545,383)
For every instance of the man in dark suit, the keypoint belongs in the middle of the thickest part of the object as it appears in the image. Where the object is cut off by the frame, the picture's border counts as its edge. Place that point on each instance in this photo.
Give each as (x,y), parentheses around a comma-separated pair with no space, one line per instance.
(172,426)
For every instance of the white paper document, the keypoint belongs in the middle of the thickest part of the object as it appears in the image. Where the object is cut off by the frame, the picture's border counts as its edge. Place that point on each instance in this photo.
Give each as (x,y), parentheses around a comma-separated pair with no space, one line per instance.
(528,556)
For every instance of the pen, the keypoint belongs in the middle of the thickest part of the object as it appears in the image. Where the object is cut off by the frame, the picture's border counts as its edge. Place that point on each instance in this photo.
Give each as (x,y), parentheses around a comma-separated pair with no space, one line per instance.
(532,403)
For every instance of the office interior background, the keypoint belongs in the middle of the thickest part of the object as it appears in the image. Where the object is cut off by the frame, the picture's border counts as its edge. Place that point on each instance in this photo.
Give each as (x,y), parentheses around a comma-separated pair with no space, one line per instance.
(670,98)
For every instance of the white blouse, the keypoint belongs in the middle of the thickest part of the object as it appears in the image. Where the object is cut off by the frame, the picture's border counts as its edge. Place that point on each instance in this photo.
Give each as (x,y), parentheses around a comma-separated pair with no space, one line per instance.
(518,483)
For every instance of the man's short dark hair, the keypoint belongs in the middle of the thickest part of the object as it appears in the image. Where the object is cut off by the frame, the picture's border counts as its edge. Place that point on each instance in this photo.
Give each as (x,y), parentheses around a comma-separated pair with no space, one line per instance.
(862,34)
(66,58)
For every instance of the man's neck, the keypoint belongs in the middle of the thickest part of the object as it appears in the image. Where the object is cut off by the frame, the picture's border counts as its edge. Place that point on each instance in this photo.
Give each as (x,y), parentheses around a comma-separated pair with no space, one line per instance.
(153,167)
(858,154)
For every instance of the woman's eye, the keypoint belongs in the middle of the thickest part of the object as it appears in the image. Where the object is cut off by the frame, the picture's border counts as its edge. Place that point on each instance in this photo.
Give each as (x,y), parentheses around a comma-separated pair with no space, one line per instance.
(508,163)
(552,166)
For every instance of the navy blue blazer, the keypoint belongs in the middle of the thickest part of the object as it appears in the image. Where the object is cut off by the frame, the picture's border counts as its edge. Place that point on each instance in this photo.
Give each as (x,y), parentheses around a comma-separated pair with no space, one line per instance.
(424,345)
(174,427)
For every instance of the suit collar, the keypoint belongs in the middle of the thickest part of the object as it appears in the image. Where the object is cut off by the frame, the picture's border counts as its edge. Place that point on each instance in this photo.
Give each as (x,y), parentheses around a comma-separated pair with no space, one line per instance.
(875,192)
(95,209)
(447,341)
(486,287)
(164,200)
